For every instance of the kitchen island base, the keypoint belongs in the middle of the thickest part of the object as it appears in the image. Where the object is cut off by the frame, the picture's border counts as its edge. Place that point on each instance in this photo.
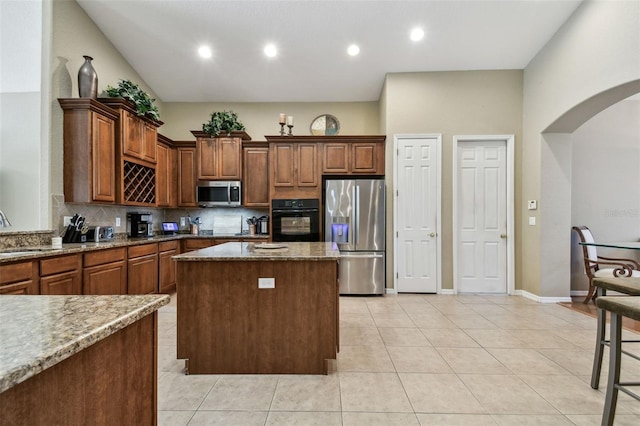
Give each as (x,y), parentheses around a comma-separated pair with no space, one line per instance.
(228,325)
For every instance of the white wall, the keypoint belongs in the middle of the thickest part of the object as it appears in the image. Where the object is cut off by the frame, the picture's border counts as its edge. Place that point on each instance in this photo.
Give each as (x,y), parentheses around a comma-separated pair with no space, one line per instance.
(24,160)
(597,49)
(605,190)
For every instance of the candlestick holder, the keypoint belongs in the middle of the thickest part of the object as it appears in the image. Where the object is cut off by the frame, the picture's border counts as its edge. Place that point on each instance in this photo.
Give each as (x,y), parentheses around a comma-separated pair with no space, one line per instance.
(282,132)
(290,126)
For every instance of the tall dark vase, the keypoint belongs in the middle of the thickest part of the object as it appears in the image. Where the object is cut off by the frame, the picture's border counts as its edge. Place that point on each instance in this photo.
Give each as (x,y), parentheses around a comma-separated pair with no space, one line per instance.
(87,79)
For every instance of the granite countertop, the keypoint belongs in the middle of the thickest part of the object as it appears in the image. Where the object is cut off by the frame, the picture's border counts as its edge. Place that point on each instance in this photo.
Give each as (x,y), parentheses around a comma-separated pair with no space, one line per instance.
(35,252)
(272,251)
(37,332)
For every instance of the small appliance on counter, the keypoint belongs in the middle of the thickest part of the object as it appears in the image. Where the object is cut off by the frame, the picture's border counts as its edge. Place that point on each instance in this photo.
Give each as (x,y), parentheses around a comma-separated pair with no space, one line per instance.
(263,225)
(100,233)
(169,228)
(140,225)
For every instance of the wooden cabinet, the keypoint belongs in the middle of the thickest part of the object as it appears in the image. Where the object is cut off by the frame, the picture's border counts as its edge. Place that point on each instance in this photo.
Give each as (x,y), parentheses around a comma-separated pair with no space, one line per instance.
(166,174)
(61,275)
(219,158)
(142,269)
(89,151)
(186,177)
(167,266)
(192,244)
(105,272)
(255,172)
(293,170)
(357,156)
(19,278)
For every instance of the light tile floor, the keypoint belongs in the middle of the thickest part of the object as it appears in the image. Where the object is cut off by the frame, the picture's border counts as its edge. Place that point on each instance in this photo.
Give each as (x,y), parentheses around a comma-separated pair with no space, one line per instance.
(416,360)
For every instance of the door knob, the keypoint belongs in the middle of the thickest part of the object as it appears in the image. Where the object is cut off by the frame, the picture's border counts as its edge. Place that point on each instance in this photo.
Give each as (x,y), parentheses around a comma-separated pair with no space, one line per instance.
(433,235)
(503,236)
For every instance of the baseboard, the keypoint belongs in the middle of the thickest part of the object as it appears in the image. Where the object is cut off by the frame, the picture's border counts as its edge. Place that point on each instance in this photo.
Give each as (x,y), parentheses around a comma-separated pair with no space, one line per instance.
(448,291)
(578,293)
(390,291)
(539,299)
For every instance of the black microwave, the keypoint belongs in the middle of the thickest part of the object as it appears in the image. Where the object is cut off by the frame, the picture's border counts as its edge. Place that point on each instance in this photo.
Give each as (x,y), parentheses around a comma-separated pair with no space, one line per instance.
(217,193)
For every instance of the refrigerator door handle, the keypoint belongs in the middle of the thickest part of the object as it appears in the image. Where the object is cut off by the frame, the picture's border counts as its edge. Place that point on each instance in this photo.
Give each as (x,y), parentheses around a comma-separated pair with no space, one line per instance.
(356,214)
(361,256)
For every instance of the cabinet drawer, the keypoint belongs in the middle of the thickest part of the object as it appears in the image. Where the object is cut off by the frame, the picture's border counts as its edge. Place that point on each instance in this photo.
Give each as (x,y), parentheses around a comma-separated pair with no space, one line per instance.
(57,265)
(168,245)
(143,250)
(15,272)
(198,243)
(104,256)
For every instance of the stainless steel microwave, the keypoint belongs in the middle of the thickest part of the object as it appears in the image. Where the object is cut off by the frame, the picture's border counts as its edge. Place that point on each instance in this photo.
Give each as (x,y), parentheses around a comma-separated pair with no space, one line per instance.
(217,193)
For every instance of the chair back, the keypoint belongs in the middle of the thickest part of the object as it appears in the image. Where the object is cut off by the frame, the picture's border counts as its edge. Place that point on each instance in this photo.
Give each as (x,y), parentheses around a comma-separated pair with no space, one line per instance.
(589,252)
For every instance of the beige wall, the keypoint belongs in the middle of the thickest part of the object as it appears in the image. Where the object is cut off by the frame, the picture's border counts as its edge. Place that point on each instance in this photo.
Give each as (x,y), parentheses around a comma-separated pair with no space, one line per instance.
(597,49)
(451,103)
(261,118)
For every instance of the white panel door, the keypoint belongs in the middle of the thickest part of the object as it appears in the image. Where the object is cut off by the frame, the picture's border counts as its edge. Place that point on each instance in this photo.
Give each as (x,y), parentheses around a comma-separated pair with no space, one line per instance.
(482,217)
(416,222)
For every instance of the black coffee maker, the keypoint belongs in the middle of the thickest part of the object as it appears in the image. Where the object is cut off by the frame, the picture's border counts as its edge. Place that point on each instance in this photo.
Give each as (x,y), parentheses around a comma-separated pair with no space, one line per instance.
(139,225)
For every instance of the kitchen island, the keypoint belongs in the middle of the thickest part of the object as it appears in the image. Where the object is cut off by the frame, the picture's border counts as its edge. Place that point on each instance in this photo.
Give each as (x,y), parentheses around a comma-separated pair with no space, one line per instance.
(247,308)
(79,359)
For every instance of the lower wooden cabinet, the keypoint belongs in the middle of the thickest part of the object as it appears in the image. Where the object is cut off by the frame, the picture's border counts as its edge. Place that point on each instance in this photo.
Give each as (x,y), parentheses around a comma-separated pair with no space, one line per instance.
(105,272)
(19,278)
(197,244)
(142,269)
(167,267)
(61,275)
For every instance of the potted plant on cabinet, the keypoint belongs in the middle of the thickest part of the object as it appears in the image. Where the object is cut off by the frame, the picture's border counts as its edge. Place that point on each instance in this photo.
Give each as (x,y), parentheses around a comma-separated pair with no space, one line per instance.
(144,104)
(222,123)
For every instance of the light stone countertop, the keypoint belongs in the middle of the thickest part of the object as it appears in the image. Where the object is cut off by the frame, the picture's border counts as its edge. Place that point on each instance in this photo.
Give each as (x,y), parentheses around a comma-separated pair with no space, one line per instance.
(37,252)
(249,251)
(37,332)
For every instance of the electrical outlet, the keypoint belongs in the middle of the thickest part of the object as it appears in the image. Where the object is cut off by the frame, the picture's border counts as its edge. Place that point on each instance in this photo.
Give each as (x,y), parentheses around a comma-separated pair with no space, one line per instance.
(266,283)
(532,204)
(117,221)
(67,221)
(183,221)
(532,220)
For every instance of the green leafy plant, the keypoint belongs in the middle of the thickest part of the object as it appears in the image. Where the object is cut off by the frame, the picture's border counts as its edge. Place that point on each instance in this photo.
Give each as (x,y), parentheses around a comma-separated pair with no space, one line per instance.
(131,91)
(222,122)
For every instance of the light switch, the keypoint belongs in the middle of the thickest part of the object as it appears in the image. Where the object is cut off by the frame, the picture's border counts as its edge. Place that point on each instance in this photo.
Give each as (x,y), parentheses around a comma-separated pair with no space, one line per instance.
(532,204)
(532,220)
(117,221)
(183,221)
(266,283)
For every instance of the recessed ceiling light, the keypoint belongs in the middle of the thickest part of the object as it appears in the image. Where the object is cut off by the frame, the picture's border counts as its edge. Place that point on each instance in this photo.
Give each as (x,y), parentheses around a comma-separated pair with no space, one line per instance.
(204,51)
(270,50)
(353,50)
(417,34)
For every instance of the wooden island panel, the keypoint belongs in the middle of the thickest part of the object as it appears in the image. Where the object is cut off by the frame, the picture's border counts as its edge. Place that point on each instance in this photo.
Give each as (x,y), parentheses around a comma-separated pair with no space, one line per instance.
(227,325)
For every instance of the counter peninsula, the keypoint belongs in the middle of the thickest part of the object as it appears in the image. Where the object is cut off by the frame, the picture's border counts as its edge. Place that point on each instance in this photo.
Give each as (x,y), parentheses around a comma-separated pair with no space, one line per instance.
(79,359)
(266,308)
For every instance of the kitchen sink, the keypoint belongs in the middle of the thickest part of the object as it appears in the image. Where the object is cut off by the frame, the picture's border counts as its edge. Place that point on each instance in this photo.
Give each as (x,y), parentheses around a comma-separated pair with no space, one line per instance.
(21,251)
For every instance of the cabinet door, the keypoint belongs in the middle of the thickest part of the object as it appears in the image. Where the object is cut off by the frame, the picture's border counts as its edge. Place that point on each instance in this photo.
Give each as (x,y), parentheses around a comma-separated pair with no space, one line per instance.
(197,243)
(282,167)
(103,159)
(132,132)
(229,158)
(256,177)
(107,279)
(186,177)
(207,158)
(142,274)
(367,158)
(335,158)
(168,271)
(307,164)
(149,142)
(62,284)
(165,182)
(28,287)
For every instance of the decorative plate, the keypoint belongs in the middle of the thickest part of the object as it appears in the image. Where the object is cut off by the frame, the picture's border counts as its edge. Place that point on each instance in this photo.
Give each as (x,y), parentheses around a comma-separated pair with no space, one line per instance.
(325,125)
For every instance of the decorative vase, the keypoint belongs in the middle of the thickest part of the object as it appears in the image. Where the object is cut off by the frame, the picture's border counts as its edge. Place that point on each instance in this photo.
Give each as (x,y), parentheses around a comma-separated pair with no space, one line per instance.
(87,79)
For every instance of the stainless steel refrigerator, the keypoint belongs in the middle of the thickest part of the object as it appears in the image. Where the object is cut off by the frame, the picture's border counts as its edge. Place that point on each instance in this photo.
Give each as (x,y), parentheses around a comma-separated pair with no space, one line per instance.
(355,220)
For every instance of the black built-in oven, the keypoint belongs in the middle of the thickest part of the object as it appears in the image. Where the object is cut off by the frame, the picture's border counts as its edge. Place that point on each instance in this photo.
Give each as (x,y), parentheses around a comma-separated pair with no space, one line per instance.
(295,220)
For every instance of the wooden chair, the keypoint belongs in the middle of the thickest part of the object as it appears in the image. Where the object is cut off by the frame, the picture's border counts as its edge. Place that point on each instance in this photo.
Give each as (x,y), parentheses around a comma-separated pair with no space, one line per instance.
(602,267)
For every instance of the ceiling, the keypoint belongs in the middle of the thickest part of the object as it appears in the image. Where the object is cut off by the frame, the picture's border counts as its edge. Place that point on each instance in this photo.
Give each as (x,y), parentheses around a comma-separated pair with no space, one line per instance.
(160,40)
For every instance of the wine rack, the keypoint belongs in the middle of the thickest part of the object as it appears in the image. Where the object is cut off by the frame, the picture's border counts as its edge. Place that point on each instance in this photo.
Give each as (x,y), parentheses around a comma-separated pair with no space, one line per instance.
(139,184)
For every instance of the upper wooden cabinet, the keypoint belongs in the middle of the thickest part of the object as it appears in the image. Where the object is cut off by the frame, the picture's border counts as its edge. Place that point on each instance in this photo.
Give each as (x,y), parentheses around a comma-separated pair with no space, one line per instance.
(255,172)
(186,177)
(293,169)
(219,158)
(166,173)
(358,155)
(89,151)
